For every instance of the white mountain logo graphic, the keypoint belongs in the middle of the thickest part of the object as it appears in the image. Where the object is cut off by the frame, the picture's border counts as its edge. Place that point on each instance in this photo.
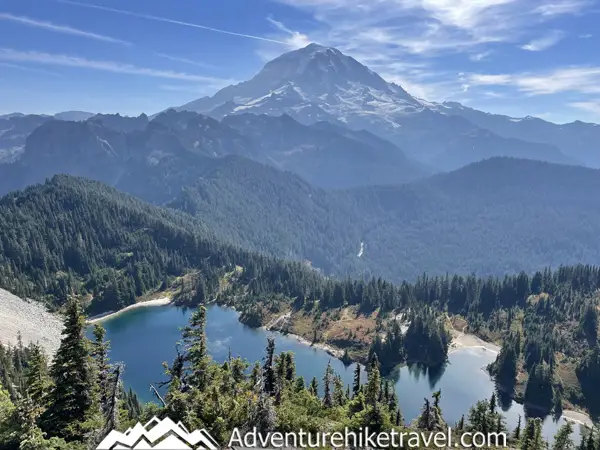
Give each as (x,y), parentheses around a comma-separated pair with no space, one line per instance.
(159,435)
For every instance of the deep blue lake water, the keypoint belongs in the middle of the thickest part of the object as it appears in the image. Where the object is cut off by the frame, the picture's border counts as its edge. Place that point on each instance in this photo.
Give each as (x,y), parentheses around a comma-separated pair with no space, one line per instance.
(143,338)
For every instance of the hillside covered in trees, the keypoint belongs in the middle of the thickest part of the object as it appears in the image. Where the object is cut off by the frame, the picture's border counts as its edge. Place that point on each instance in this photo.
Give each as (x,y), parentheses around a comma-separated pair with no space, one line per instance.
(550,338)
(77,237)
(527,214)
(73,402)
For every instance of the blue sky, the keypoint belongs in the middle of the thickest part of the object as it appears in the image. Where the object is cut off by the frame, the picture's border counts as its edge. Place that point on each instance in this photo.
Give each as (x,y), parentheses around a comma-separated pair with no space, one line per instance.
(515,57)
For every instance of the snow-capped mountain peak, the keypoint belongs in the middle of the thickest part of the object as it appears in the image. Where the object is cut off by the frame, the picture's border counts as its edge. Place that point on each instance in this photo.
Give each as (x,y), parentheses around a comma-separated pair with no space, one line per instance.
(318,69)
(316,79)
(318,83)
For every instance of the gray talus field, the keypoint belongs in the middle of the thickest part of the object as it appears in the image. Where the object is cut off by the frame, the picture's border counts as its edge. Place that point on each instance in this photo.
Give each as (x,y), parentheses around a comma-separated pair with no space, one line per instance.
(32,319)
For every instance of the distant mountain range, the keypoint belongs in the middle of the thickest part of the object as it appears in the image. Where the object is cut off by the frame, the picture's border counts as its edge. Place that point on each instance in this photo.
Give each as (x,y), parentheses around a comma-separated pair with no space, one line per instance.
(119,150)
(578,139)
(15,127)
(76,116)
(324,89)
(525,214)
(498,216)
(317,84)
(318,158)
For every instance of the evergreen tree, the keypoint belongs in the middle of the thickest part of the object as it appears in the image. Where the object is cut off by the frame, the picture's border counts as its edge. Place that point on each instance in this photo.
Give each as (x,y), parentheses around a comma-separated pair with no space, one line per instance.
(7,413)
(268,370)
(398,420)
(431,415)
(562,440)
(196,355)
(373,386)
(517,432)
(532,435)
(38,379)
(538,442)
(290,367)
(591,442)
(256,375)
(589,324)
(425,419)
(314,387)
(539,388)
(299,386)
(356,383)
(71,399)
(327,381)
(99,353)
(493,403)
(339,396)
(200,291)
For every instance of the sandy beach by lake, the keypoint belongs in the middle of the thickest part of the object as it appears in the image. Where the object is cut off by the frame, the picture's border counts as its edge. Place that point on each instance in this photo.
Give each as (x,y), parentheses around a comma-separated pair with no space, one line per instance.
(110,314)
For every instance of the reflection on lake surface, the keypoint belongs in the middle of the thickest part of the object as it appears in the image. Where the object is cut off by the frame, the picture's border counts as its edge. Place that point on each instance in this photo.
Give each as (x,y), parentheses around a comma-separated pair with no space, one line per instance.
(143,338)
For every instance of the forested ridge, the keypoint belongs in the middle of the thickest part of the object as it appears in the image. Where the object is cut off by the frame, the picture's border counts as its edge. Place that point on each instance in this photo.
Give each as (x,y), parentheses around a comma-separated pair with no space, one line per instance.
(550,349)
(75,237)
(527,214)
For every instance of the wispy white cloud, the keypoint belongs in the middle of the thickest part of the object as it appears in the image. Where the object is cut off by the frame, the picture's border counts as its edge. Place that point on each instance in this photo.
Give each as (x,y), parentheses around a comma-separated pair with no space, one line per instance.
(494,94)
(191,62)
(29,69)
(425,83)
(549,40)
(591,106)
(54,59)
(582,80)
(585,36)
(63,29)
(424,88)
(191,89)
(573,79)
(480,56)
(481,79)
(171,21)
(295,39)
(465,14)
(380,33)
(428,26)
(561,7)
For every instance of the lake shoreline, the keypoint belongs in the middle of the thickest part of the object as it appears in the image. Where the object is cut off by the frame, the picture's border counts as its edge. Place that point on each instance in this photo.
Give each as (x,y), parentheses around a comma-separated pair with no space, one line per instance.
(276,326)
(163,301)
(333,351)
(460,341)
